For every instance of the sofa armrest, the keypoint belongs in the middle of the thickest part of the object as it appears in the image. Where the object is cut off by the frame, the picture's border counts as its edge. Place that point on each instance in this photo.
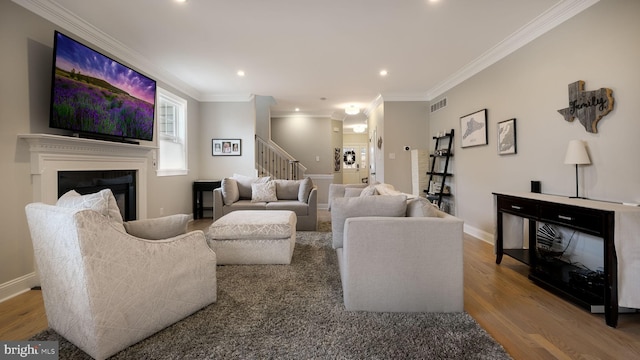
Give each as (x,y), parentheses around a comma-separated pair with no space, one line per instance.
(158,228)
(421,258)
(218,204)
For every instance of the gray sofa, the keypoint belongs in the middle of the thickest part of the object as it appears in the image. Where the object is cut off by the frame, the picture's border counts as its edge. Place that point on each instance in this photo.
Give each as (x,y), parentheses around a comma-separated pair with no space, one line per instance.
(397,255)
(247,193)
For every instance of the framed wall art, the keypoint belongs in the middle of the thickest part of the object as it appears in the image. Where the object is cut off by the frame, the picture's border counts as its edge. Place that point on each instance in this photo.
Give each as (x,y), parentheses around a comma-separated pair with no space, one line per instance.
(507,137)
(226,147)
(474,129)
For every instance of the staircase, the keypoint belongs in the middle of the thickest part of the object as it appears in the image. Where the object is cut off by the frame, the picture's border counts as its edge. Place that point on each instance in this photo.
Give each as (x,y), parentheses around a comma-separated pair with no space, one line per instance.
(272,160)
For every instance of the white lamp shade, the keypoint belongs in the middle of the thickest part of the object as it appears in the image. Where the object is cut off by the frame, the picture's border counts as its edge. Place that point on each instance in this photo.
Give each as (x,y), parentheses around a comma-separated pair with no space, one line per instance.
(577,153)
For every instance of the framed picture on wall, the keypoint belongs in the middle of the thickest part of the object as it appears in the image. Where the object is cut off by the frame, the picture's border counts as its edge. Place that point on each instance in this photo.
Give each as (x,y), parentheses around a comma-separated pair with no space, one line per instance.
(226,147)
(473,128)
(507,137)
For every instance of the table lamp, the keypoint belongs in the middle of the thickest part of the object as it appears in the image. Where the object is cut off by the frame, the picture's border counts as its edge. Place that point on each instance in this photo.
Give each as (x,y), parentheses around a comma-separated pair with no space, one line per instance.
(577,155)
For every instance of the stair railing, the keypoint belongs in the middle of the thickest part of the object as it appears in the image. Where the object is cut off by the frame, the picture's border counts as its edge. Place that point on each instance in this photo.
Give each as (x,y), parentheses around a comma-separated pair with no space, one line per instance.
(274,161)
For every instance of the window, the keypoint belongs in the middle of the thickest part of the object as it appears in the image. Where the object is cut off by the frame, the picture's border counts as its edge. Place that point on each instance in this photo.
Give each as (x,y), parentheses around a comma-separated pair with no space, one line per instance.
(172,134)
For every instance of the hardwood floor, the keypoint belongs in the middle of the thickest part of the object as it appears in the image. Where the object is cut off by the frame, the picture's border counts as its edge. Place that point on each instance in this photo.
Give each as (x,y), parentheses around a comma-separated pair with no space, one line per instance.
(528,321)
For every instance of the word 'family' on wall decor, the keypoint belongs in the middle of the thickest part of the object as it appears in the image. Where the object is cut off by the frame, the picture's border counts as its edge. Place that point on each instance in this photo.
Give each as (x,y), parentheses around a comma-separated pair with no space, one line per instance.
(588,106)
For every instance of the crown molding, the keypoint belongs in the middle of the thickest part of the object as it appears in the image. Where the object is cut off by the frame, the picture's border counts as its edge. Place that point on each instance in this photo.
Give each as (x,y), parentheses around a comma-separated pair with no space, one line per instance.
(548,20)
(227,98)
(67,20)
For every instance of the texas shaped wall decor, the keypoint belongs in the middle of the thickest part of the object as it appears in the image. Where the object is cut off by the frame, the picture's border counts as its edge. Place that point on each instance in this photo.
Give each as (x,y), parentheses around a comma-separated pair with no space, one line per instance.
(588,106)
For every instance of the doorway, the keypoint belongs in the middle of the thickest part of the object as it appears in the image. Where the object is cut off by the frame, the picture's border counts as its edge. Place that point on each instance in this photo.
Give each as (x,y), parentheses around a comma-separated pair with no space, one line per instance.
(355,163)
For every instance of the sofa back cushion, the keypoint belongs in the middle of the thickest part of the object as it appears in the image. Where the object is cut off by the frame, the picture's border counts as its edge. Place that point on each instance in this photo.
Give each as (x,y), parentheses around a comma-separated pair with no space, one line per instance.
(287,189)
(244,184)
(348,207)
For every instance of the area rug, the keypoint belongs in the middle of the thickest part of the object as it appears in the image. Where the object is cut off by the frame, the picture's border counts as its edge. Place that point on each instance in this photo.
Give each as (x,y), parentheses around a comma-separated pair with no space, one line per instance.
(296,312)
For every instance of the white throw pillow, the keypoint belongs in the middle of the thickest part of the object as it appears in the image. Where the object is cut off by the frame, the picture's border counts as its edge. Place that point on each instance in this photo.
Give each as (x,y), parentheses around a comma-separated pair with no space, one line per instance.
(230,192)
(263,192)
(102,202)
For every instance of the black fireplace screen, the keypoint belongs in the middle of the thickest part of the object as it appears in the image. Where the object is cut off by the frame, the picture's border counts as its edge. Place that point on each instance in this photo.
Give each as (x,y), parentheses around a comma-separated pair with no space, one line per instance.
(121,182)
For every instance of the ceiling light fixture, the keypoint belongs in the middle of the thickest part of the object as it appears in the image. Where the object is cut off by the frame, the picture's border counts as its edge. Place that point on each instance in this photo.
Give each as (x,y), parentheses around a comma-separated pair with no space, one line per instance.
(352,110)
(241,73)
(384,72)
(359,128)
(297,109)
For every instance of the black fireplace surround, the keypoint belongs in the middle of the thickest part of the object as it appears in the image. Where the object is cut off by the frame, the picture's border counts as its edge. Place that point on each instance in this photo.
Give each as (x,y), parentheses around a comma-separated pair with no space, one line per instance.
(121,182)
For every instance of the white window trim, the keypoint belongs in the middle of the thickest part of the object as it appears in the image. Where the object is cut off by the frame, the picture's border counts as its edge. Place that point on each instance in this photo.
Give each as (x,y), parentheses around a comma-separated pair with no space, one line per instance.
(183,102)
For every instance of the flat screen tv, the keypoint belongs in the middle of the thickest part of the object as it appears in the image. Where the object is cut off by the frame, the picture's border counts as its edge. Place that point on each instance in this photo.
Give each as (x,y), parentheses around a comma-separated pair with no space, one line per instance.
(95,96)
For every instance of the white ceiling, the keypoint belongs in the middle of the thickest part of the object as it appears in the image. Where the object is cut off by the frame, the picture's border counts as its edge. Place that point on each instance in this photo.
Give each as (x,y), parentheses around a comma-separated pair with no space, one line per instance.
(301,51)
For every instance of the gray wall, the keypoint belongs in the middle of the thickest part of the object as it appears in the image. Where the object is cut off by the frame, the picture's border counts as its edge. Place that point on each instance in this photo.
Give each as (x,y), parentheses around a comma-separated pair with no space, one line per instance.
(405,124)
(26,59)
(306,138)
(599,46)
(226,120)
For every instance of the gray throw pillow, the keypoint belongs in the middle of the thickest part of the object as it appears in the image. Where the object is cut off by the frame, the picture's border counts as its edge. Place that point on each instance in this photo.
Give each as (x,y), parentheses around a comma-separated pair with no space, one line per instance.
(421,207)
(305,189)
(230,193)
(348,207)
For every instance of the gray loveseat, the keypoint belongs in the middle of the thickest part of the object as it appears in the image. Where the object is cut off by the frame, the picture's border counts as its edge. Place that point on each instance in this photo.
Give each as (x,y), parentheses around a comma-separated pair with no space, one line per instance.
(250,193)
(397,255)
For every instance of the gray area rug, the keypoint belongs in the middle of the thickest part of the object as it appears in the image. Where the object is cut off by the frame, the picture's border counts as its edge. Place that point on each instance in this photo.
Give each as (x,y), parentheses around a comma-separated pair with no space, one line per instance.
(296,312)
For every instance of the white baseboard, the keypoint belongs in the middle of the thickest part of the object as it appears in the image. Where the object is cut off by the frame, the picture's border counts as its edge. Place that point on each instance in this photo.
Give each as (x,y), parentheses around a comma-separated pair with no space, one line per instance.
(18,286)
(480,234)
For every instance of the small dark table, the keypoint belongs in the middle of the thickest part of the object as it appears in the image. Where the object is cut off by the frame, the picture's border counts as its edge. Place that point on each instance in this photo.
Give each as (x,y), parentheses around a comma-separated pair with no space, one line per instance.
(200,186)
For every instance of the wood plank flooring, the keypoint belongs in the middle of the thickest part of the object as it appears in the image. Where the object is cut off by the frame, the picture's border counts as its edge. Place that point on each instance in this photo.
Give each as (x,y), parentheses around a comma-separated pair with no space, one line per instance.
(528,321)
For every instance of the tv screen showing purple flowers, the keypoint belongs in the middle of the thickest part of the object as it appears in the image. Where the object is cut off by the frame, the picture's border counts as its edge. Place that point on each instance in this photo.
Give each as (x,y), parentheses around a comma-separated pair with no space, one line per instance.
(92,93)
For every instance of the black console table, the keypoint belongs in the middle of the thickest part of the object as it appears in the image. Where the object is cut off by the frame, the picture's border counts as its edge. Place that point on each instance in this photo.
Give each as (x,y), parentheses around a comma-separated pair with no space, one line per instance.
(200,186)
(596,218)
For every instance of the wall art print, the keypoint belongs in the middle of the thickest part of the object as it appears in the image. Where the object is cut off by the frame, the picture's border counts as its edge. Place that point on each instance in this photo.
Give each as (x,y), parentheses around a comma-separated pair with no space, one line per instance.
(474,129)
(507,137)
(226,147)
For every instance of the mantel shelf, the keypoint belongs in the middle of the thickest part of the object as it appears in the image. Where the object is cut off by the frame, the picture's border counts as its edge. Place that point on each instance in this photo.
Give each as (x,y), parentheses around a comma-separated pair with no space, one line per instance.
(49,143)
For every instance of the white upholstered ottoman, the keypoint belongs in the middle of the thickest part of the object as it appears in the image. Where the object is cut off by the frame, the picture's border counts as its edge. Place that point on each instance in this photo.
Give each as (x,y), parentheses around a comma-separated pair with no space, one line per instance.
(254,237)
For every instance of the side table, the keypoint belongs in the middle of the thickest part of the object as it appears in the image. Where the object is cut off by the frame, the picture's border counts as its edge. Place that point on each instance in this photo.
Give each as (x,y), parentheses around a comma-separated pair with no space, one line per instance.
(199,187)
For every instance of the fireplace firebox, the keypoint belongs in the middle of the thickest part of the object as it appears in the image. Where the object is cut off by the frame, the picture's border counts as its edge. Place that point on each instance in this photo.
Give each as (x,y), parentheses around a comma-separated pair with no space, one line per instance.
(121,182)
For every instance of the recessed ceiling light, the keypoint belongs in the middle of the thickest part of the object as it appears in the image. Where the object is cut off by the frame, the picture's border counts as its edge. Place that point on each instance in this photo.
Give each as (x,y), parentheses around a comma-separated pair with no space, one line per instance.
(297,109)
(384,72)
(181,1)
(241,73)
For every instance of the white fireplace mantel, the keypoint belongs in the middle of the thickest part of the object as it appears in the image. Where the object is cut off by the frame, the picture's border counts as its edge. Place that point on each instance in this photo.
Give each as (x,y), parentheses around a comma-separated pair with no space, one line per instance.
(53,153)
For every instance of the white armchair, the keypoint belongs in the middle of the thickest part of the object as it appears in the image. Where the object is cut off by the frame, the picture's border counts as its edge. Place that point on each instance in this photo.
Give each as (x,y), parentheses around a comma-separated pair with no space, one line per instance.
(105,289)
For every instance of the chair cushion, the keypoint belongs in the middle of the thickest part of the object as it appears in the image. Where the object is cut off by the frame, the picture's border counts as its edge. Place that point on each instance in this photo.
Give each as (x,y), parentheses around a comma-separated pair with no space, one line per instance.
(230,193)
(348,207)
(263,192)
